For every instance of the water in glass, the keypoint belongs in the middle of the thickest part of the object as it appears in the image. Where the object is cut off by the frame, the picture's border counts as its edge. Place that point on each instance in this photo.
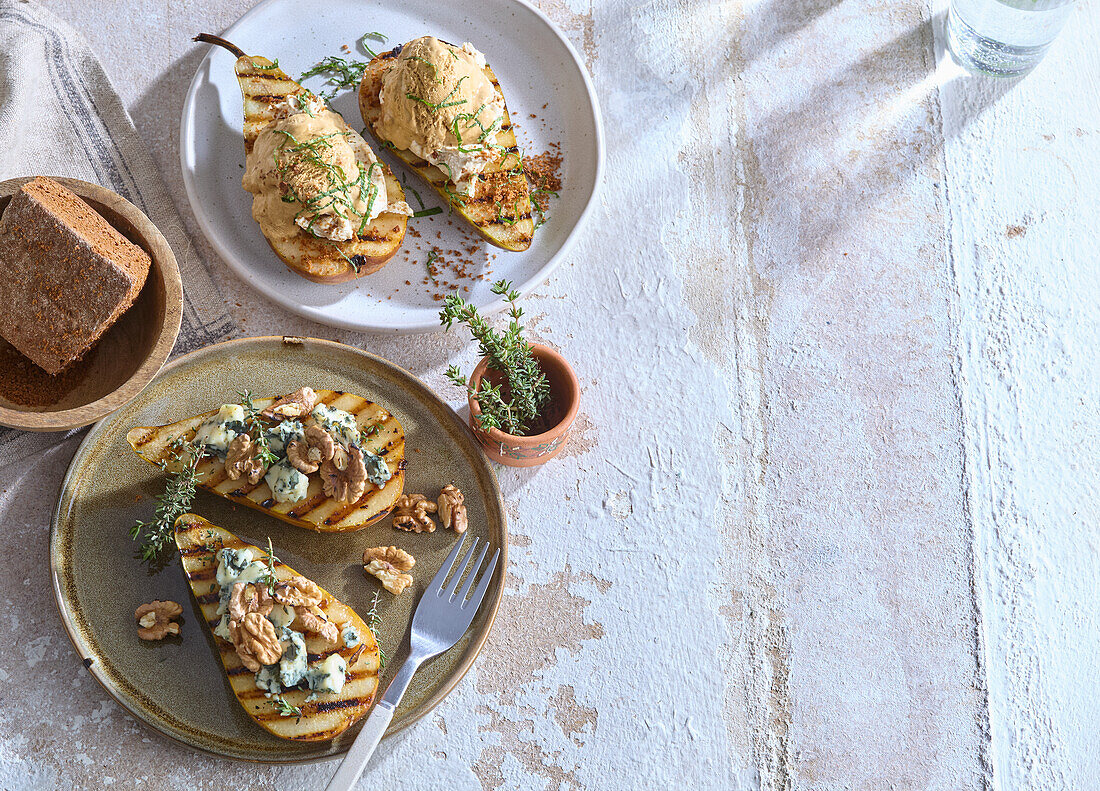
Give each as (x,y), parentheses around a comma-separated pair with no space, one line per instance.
(1005,38)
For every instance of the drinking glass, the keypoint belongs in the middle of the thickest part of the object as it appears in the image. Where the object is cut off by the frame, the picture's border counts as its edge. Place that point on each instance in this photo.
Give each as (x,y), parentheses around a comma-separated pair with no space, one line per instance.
(1004,38)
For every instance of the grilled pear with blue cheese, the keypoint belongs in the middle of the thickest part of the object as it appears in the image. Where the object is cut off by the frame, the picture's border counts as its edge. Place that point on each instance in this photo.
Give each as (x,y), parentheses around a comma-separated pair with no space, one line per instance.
(323,460)
(303,665)
(325,203)
(441,111)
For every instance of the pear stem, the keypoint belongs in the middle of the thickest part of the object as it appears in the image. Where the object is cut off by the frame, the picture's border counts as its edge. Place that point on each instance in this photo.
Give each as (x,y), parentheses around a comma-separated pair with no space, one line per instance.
(208,38)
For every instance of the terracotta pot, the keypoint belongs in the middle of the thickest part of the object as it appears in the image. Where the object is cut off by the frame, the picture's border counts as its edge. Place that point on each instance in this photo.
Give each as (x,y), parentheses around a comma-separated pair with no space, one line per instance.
(536,449)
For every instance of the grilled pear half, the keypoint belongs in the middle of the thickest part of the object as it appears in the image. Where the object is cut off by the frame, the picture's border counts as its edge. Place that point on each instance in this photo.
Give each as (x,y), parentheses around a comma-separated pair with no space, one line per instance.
(263,85)
(505,223)
(328,714)
(317,511)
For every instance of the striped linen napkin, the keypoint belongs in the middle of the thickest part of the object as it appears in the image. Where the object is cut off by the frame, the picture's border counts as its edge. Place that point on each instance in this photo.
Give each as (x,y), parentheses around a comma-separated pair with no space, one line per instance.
(60,116)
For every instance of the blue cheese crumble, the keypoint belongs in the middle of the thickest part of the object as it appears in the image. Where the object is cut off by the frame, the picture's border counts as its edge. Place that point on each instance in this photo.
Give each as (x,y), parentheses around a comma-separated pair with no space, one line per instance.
(234,565)
(328,675)
(219,430)
(282,434)
(351,636)
(337,422)
(288,485)
(378,472)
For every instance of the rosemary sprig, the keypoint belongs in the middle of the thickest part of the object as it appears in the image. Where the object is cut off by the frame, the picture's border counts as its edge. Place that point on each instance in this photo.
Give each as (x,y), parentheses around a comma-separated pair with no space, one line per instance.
(510,355)
(432,256)
(285,708)
(373,621)
(255,426)
(176,501)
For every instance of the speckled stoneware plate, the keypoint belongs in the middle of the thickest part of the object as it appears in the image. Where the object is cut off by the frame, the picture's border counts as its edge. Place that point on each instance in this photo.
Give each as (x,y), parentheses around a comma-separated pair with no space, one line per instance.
(178,686)
(541,75)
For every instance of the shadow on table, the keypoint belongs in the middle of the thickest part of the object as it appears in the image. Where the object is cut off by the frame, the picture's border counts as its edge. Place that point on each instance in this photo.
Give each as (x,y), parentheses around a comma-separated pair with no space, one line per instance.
(856,137)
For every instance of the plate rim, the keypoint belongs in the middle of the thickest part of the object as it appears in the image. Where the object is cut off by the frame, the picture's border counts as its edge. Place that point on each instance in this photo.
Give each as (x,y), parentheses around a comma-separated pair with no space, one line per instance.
(477,644)
(321,315)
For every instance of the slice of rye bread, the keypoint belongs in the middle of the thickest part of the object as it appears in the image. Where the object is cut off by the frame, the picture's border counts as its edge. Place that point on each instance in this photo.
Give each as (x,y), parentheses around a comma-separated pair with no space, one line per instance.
(66,275)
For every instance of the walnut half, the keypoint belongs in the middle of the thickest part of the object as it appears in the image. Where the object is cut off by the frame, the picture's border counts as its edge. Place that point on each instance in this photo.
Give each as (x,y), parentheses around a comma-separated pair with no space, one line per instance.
(452,508)
(298,592)
(344,476)
(410,512)
(388,565)
(308,454)
(296,404)
(313,619)
(255,641)
(155,619)
(241,460)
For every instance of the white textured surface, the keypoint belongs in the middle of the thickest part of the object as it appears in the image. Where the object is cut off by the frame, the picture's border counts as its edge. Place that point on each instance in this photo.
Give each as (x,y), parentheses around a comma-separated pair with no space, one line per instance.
(788,532)
(1023,160)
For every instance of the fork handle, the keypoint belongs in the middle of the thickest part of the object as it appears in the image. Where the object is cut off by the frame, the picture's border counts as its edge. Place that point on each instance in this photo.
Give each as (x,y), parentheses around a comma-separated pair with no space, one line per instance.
(362,748)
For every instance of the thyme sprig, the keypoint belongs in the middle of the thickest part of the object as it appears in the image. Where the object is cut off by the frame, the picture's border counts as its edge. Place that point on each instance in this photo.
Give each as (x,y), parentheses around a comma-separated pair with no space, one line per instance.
(253,422)
(508,353)
(285,708)
(176,501)
(270,578)
(373,620)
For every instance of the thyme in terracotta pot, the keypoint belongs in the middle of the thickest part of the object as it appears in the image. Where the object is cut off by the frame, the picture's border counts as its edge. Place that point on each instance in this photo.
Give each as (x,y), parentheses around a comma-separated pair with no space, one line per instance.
(523,397)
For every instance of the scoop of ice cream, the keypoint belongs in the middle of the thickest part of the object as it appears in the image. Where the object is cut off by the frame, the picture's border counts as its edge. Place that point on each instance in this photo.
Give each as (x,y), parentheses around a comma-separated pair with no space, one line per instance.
(309,168)
(436,97)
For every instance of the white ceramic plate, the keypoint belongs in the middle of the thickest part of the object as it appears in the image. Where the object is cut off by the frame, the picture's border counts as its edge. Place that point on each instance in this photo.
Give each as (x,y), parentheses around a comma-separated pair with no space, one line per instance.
(536,66)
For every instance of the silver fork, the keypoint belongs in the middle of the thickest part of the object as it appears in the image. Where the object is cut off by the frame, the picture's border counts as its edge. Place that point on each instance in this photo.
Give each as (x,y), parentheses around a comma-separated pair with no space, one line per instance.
(441,618)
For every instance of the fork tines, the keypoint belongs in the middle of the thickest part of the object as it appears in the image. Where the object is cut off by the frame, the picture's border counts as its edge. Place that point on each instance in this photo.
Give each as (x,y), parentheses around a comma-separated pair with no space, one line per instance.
(467,569)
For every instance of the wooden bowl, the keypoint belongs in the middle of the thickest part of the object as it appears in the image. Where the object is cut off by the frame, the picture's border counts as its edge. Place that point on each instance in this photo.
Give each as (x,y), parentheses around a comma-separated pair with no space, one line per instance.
(125,359)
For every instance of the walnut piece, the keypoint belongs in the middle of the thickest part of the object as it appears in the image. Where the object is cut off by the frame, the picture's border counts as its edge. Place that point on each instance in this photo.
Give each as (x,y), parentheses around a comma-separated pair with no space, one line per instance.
(344,476)
(298,592)
(452,508)
(245,597)
(313,619)
(387,565)
(308,454)
(155,619)
(410,512)
(255,641)
(241,460)
(296,404)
